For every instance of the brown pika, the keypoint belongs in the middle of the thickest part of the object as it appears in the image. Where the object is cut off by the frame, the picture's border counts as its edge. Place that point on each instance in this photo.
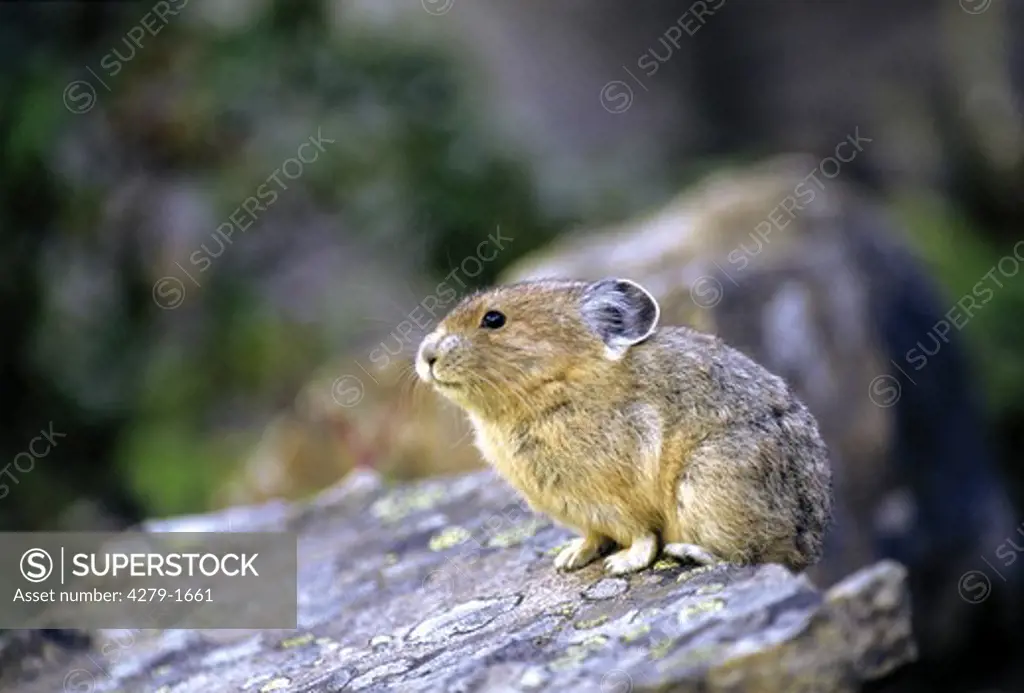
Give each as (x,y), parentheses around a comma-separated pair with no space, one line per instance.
(649,437)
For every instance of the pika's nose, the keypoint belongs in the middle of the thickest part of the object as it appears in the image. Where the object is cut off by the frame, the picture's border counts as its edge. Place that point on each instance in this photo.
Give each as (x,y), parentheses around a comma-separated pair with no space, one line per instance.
(429,354)
(427,357)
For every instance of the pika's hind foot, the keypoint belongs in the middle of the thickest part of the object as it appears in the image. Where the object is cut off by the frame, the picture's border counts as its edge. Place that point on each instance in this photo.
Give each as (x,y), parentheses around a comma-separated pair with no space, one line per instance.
(640,554)
(580,552)
(692,553)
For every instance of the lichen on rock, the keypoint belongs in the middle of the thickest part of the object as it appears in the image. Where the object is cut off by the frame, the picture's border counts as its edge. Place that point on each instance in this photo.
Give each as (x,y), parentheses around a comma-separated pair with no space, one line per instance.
(409,591)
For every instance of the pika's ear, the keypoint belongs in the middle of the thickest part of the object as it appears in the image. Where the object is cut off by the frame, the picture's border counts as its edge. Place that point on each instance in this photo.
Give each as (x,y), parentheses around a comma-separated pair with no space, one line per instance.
(621,312)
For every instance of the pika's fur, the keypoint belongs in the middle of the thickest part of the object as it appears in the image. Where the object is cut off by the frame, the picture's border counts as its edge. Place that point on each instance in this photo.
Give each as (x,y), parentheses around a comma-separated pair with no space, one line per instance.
(628,432)
(793,275)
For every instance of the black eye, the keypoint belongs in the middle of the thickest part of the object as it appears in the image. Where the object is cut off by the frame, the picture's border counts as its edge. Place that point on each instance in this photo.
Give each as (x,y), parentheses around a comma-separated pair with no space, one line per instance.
(492,320)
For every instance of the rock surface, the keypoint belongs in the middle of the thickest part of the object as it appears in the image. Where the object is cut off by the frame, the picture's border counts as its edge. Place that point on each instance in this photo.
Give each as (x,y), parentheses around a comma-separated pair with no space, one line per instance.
(448,585)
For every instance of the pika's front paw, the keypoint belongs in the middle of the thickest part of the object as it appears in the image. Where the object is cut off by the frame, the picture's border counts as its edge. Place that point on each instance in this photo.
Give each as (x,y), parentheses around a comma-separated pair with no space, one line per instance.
(638,556)
(578,553)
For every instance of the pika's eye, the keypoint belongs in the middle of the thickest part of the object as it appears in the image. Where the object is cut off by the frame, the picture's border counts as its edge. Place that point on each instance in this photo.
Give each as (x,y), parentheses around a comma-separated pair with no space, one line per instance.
(492,320)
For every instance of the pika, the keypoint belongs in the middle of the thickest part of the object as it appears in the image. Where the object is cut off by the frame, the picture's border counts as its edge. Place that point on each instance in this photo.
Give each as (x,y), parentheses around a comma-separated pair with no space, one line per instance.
(654,439)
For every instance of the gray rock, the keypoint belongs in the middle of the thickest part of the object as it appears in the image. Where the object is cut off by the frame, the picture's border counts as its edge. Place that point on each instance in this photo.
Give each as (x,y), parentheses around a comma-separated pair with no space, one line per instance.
(448,585)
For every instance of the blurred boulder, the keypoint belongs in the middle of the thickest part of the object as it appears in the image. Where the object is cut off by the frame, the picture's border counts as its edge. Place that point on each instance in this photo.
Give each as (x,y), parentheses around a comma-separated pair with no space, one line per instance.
(348,417)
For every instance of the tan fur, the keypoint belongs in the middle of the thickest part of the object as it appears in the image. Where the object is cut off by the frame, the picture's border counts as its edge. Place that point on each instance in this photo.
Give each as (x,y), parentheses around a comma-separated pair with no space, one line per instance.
(633,437)
(798,299)
(406,434)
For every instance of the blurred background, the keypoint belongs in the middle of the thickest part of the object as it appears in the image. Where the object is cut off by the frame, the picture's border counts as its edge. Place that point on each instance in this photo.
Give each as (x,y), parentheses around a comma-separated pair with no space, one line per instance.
(209,207)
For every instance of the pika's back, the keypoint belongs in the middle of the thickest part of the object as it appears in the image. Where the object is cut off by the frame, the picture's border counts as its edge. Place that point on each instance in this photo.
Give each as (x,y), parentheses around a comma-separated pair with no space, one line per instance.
(700,378)
(511,352)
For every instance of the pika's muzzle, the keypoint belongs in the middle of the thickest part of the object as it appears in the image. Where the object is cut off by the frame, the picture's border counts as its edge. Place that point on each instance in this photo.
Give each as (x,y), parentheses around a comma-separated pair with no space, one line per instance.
(433,347)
